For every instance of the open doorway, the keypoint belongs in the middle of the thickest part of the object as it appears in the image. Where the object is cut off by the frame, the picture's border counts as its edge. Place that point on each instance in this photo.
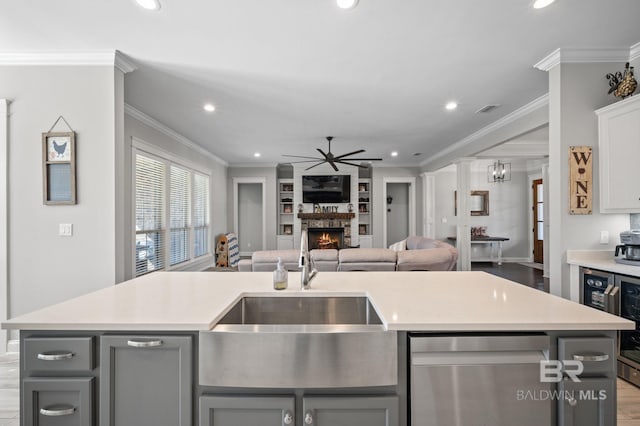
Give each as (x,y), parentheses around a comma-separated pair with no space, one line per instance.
(538,221)
(249,214)
(399,209)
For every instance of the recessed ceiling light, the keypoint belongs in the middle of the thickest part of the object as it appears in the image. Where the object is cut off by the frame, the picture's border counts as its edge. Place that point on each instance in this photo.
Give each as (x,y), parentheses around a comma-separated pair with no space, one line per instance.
(394,153)
(209,107)
(149,4)
(539,4)
(347,4)
(256,154)
(450,106)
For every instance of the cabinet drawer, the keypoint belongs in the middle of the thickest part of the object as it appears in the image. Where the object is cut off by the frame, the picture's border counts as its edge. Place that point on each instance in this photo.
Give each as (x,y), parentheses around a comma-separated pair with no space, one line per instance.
(57,402)
(59,353)
(596,353)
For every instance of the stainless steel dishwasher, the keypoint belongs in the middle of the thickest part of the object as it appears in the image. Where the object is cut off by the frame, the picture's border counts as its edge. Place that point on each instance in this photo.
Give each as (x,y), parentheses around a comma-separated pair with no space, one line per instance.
(475,380)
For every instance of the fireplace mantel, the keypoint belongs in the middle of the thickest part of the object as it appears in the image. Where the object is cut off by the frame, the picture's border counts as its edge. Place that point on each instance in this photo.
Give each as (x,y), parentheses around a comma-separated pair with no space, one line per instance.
(321,216)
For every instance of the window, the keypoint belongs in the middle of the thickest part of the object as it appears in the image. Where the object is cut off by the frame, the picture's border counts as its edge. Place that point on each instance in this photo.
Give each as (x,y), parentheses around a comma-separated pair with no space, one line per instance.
(172,213)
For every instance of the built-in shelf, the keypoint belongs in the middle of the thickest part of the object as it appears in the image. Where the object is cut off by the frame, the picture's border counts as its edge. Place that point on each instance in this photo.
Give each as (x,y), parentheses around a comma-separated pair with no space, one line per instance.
(285,207)
(364,206)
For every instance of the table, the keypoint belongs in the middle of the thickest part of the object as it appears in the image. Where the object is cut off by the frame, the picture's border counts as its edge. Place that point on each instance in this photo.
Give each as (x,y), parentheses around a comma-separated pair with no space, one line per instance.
(497,241)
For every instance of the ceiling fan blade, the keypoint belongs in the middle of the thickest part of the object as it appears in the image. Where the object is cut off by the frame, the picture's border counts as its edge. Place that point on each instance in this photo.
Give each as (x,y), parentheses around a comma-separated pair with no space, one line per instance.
(352,164)
(351,153)
(315,165)
(305,161)
(302,156)
(323,154)
(331,162)
(363,159)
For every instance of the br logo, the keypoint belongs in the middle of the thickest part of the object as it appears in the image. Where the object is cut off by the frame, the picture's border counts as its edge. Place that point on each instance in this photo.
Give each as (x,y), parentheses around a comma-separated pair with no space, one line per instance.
(551,371)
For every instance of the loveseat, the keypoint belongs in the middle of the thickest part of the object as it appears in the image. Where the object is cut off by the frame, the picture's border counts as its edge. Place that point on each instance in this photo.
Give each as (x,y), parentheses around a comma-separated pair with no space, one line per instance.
(412,254)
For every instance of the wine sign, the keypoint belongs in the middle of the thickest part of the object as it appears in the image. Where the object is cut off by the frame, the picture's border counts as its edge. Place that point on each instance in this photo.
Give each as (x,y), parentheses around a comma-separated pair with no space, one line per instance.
(580,179)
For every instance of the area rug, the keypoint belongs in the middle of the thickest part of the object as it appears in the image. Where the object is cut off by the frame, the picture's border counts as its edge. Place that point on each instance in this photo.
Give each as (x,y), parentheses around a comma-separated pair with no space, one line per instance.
(534,265)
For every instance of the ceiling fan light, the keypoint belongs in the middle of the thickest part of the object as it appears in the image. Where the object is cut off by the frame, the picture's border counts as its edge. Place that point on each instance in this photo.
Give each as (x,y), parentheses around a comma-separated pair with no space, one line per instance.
(346,4)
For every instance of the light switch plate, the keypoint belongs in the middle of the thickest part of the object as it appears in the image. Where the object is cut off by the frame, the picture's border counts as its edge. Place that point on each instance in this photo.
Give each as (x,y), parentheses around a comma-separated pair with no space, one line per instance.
(604,237)
(65,229)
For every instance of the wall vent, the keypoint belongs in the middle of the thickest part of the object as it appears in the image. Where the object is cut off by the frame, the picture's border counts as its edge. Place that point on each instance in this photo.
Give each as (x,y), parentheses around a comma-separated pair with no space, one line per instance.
(487,108)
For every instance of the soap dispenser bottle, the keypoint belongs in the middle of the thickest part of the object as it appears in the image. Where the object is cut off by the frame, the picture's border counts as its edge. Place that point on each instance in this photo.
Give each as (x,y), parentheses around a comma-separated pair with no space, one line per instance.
(280,276)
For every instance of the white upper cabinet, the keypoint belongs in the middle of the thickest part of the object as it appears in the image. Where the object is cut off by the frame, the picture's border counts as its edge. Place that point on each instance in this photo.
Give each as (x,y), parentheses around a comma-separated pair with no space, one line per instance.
(619,146)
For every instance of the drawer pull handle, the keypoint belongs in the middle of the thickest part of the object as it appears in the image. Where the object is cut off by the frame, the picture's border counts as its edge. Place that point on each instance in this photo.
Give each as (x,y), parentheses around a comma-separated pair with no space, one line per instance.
(58,410)
(144,344)
(595,357)
(54,356)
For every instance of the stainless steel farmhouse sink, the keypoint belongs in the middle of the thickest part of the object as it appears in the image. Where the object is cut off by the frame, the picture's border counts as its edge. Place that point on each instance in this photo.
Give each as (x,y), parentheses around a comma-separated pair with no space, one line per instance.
(299,342)
(302,311)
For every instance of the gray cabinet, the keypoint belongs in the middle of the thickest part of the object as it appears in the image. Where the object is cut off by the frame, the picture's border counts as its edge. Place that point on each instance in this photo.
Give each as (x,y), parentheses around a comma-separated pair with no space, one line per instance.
(266,410)
(247,411)
(58,401)
(348,411)
(589,402)
(145,380)
(587,398)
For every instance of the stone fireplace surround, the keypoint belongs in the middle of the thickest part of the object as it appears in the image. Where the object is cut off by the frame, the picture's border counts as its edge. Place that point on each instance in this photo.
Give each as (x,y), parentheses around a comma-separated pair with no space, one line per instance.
(328,220)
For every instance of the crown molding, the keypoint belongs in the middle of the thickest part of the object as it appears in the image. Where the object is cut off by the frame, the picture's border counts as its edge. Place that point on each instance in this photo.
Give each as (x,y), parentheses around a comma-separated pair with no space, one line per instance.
(634,52)
(532,106)
(578,55)
(69,57)
(123,63)
(155,124)
(253,165)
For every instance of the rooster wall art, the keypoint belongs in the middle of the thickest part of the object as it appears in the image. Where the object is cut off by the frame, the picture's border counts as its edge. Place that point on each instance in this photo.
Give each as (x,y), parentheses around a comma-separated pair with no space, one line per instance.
(59,149)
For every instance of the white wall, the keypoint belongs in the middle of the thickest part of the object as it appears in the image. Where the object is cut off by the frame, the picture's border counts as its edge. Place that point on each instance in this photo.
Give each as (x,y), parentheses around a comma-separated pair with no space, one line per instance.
(134,128)
(575,92)
(44,268)
(508,209)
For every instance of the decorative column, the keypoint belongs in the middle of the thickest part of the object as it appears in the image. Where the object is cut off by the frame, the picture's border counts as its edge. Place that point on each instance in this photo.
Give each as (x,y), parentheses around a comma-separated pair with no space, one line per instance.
(429,204)
(463,230)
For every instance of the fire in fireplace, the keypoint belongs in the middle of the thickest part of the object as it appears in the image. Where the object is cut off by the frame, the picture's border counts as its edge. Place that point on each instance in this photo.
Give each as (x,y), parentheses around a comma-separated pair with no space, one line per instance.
(325,238)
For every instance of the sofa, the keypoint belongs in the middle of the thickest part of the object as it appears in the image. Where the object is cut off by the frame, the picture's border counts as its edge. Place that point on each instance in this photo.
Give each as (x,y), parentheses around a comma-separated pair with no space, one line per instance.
(412,254)
(426,254)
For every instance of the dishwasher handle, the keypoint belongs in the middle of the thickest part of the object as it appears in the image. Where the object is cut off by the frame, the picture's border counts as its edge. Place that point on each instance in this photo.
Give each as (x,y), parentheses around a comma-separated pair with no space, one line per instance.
(478,357)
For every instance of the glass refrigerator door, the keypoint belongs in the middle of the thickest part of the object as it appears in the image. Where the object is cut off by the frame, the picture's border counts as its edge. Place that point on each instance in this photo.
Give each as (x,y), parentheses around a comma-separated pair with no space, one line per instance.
(630,309)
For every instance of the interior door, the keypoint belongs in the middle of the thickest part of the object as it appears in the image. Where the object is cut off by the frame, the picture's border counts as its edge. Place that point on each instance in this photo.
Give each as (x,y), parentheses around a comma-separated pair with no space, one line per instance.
(538,221)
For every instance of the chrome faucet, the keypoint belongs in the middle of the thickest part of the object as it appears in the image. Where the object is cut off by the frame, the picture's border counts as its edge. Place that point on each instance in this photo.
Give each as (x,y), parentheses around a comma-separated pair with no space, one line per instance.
(305,263)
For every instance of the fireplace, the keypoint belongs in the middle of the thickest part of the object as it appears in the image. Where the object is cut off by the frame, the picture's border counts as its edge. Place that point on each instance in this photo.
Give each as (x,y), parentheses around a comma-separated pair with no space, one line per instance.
(325,238)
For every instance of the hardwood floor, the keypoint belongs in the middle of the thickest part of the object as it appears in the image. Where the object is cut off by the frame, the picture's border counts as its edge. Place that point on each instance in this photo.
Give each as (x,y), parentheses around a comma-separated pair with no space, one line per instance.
(9,390)
(628,394)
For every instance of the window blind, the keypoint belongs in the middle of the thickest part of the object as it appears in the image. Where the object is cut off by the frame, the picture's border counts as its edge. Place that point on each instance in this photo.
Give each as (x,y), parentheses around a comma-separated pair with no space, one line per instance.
(149,194)
(200,214)
(179,215)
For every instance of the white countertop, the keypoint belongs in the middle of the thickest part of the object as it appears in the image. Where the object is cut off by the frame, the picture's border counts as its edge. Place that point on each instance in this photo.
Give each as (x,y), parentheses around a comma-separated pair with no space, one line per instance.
(601,259)
(411,301)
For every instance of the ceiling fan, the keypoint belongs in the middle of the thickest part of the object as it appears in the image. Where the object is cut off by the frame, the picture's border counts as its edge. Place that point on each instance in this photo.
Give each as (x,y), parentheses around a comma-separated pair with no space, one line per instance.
(328,157)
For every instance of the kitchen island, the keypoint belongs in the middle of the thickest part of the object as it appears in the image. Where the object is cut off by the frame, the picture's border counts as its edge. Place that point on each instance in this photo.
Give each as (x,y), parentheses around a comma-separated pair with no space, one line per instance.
(147,333)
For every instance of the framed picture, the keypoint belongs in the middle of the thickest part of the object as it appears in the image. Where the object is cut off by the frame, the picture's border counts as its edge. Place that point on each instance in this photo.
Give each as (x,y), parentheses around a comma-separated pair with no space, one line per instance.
(58,168)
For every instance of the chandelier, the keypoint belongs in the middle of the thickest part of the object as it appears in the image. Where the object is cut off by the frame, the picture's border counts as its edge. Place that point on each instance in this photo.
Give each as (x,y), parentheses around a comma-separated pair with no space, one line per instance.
(499,172)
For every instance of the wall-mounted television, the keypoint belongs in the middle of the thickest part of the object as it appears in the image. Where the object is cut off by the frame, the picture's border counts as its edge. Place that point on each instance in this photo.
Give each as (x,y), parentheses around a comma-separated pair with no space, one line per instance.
(326,189)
